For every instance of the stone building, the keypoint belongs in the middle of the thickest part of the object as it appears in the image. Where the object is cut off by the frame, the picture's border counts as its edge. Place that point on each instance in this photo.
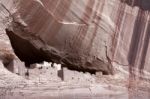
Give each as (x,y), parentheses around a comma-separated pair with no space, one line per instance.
(17,67)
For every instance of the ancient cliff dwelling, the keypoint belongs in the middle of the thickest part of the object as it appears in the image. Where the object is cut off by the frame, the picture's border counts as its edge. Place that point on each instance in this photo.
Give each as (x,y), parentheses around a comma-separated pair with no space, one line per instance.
(74,49)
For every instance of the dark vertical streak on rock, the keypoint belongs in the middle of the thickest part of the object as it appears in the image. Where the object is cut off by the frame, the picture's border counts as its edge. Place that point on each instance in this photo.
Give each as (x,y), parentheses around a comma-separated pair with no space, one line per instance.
(97,19)
(119,17)
(145,48)
(55,25)
(133,51)
(82,30)
(62,9)
(142,4)
(40,17)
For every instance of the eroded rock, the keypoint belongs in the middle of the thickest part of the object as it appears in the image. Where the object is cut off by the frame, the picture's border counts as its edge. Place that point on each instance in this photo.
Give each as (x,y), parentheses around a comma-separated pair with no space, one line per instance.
(87,36)
(37,34)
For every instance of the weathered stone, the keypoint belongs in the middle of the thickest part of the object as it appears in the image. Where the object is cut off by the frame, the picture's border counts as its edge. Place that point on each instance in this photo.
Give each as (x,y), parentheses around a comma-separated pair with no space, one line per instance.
(44,74)
(87,36)
(76,76)
(99,74)
(73,41)
(17,67)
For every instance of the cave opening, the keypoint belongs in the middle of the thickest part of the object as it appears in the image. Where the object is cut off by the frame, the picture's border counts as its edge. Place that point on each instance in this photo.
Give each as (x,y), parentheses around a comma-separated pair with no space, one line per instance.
(29,54)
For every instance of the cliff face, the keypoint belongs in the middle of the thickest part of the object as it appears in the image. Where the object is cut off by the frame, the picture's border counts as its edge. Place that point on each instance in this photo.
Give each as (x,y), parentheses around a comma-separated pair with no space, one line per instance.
(133,36)
(6,52)
(89,35)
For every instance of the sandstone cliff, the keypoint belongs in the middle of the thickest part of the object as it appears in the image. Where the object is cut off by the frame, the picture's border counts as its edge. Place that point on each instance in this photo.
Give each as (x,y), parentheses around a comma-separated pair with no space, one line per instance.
(88,35)
(110,36)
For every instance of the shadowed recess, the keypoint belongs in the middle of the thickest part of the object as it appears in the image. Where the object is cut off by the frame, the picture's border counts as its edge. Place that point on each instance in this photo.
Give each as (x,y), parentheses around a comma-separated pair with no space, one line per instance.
(142,4)
(30,54)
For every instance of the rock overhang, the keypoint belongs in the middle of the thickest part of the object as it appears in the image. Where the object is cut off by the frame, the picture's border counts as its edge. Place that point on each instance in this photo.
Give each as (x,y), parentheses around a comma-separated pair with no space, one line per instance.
(43,37)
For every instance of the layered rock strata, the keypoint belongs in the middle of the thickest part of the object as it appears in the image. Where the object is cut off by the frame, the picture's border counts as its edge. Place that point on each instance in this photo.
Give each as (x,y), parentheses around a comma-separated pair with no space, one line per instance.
(88,35)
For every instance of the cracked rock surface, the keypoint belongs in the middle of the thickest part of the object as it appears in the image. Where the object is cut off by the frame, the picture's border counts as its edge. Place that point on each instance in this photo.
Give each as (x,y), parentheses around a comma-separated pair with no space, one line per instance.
(84,35)
(89,36)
